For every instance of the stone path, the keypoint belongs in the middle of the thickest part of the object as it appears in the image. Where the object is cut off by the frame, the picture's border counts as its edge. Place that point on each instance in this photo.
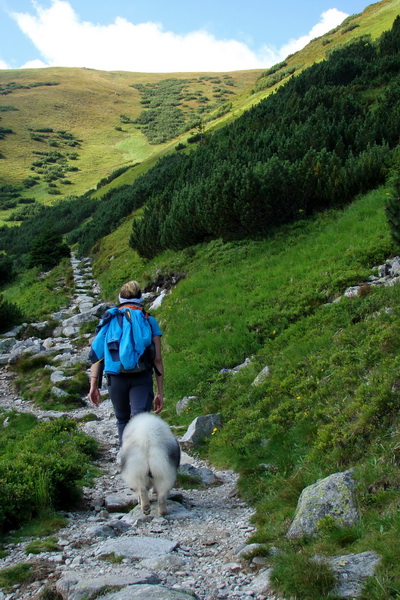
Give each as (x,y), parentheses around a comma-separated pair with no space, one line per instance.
(195,551)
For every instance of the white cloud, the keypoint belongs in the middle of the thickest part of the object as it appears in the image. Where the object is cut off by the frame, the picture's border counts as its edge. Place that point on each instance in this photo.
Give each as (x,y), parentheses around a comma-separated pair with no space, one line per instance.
(4,65)
(34,64)
(329,20)
(62,39)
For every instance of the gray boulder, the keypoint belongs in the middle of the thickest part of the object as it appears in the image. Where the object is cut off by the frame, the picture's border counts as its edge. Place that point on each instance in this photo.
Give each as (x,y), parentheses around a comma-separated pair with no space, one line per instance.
(58,376)
(111,529)
(79,585)
(262,376)
(183,404)
(333,497)
(202,474)
(57,392)
(351,572)
(7,344)
(201,428)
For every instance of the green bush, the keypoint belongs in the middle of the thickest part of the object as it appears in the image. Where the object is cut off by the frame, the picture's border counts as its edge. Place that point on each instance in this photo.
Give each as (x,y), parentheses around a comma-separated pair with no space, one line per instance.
(6,269)
(41,466)
(47,250)
(393,209)
(10,315)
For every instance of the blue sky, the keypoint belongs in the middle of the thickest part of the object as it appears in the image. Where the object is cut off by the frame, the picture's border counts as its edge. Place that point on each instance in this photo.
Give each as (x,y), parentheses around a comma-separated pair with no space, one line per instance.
(161,36)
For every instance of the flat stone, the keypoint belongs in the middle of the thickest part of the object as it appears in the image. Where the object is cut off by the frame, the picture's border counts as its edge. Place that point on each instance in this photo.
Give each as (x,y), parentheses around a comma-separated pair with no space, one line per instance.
(171,562)
(137,547)
(175,510)
(150,592)
(121,501)
(111,529)
(351,572)
(77,585)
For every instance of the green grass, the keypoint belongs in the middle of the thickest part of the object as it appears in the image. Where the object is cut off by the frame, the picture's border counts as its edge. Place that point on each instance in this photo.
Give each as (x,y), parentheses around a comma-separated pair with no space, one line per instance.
(331,401)
(21,573)
(48,544)
(38,295)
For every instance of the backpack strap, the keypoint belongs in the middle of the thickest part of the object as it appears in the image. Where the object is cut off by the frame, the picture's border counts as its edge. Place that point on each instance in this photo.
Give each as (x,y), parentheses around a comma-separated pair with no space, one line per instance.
(134,307)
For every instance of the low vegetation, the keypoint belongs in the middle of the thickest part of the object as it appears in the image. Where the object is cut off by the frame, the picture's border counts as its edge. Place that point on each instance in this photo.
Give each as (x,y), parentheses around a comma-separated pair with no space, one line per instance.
(268,241)
(331,401)
(42,466)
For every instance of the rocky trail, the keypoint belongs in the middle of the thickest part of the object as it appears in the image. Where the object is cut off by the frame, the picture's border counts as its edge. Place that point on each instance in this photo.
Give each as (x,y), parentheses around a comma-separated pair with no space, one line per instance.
(108,548)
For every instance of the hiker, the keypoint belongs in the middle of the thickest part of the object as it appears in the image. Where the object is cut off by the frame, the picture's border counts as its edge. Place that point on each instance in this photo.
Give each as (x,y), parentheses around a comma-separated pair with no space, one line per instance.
(128,365)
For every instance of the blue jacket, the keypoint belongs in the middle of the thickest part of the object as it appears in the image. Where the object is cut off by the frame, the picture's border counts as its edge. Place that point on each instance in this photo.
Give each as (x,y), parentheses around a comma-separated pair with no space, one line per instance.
(122,336)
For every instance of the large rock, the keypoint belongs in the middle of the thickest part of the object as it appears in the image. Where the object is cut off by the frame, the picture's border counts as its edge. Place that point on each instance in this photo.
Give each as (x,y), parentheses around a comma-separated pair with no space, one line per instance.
(7,344)
(203,475)
(149,592)
(84,585)
(333,497)
(201,428)
(137,547)
(158,301)
(351,572)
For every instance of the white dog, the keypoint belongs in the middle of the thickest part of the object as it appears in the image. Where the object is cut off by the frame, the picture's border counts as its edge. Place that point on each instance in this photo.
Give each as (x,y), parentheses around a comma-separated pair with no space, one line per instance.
(150,457)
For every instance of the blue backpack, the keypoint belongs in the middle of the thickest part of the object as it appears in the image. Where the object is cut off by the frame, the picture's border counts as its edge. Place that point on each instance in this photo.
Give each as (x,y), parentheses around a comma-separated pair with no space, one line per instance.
(124,341)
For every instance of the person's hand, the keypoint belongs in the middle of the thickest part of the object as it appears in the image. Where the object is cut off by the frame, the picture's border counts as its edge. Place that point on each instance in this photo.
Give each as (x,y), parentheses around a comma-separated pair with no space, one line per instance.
(158,403)
(94,396)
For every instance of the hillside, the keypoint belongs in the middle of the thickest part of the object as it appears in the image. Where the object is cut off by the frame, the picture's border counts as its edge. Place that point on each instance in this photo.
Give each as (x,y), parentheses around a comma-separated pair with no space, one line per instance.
(63,130)
(88,116)
(278,297)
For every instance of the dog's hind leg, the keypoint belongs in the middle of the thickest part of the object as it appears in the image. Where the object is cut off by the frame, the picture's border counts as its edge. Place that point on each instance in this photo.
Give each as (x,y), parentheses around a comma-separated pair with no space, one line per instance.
(162,504)
(144,500)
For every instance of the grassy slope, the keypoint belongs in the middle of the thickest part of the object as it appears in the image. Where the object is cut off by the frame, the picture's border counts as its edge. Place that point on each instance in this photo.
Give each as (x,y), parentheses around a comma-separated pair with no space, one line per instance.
(266,299)
(88,103)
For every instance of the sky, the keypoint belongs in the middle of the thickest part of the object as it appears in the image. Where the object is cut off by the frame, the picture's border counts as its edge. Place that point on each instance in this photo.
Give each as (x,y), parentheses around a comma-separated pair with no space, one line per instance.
(160,36)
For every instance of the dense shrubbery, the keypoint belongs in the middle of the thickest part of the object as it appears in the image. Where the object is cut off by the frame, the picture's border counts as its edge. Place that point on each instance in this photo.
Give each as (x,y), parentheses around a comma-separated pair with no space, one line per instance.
(6,269)
(10,315)
(47,250)
(41,466)
(393,210)
(117,204)
(165,116)
(60,218)
(319,141)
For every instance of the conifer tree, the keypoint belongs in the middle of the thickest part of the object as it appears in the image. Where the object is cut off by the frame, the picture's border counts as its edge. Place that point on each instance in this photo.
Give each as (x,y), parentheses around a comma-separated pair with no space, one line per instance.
(393,210)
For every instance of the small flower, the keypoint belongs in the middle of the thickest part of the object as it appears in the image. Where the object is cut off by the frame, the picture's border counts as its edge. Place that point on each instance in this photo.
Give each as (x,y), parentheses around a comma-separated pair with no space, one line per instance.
(214,431)
(298,397)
